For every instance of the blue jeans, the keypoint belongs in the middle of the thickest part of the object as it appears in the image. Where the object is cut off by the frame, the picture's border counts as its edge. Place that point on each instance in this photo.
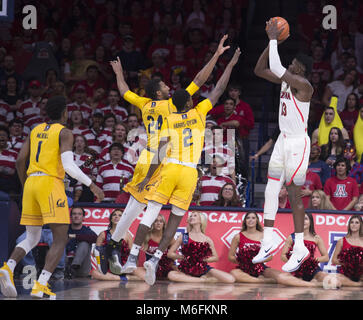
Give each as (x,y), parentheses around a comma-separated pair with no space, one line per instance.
(46,237)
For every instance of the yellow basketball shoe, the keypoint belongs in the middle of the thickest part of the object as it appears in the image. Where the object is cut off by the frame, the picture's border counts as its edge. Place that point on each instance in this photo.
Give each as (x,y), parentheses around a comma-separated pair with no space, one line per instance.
(7,282)
(40,291)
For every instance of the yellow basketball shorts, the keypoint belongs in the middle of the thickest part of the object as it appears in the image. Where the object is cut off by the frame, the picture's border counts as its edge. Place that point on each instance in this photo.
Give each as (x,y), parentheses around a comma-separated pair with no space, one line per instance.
(140,172)
(176,186)
(44,201)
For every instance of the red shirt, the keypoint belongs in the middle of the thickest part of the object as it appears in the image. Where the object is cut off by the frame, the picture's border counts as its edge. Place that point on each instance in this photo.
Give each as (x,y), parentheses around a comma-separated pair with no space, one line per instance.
(223,119)
(341,192)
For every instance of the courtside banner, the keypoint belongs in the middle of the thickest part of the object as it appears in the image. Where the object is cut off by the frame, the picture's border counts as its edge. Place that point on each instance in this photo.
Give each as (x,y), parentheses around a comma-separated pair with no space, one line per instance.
(224,225)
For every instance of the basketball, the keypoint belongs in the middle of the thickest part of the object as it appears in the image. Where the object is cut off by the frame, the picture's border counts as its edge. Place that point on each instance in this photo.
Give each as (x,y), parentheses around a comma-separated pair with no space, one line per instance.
(283,25)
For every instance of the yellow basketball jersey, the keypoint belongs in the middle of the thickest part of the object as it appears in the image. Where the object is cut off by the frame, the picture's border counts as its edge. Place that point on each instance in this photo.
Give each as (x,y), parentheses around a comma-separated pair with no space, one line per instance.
(44,150)
(154,113)
(186,132)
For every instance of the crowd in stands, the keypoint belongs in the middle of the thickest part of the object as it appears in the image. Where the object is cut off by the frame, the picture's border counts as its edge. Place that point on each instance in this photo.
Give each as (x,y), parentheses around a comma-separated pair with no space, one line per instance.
(69,53)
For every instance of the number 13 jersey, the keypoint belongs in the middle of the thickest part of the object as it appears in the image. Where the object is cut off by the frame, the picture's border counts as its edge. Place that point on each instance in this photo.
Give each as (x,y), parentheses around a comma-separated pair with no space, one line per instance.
(45,151)
(293,114)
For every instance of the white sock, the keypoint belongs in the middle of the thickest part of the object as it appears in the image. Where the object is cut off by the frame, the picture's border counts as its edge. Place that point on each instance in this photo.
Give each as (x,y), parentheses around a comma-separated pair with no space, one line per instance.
(299,240)
(44,277)
(268,234)
(158,254)
(11,264)
(131,212)
(135,249)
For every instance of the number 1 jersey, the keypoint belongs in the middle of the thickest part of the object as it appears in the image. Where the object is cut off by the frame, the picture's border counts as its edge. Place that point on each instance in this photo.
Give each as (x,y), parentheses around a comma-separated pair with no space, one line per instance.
(45,151)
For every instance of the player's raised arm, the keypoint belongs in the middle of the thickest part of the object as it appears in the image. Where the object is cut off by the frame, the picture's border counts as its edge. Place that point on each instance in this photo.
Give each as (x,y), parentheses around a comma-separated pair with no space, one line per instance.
(223,80)
(121,83)
(296,80)
(204,74)
(66,145)
(262,69)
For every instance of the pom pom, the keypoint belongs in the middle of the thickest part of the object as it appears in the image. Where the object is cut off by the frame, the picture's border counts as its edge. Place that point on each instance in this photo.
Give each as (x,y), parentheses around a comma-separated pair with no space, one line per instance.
(125,251)
(352,262)
(165,266)
(309,266)
(244,257)
(194,253)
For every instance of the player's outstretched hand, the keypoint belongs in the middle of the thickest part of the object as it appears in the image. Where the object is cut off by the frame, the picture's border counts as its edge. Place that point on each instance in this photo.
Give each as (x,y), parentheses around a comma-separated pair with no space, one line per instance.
(272,30)
(116,65)
(142,184)
(235,57)
(221,48)
(97,192)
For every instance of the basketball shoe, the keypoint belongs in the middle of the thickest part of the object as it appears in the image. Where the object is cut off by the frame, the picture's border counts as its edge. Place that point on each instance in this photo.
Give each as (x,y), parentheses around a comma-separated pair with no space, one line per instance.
(130,265)
(40,291)
(7,282)
(267,249)
(298,256)
(151,267)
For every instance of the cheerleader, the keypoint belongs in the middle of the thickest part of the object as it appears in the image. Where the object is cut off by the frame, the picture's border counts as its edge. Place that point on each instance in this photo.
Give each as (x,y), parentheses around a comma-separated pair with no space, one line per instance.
(245,245)
(197,250)
(309,269)
(348,254)
(151,243)
(100,269)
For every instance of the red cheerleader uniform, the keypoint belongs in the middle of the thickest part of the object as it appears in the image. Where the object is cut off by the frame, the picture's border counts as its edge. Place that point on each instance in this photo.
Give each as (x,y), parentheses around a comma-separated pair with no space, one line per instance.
(165,264)
(352,261)
(247,250)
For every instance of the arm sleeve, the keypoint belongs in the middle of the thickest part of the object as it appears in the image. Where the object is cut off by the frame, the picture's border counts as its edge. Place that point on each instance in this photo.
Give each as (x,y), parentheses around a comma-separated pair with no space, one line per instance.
(135,99)
(73,170)
(274,59)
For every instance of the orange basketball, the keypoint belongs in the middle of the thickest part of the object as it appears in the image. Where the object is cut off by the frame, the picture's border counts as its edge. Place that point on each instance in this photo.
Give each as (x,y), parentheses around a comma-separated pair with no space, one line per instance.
(283,25)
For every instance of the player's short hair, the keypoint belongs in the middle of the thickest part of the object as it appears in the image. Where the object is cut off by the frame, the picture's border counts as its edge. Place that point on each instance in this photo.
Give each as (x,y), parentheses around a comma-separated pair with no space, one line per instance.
(306,61)
(55,107)
(180,98)
(341,159)
(152,87)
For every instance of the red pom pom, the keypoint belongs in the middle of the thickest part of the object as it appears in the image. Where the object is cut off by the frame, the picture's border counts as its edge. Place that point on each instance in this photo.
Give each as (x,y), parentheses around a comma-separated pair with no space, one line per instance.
(165,266)
(352,262)
(125,251)
(244,257)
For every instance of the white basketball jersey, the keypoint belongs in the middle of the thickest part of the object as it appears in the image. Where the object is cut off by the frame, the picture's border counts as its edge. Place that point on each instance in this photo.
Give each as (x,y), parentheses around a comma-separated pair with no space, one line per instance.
(293,114)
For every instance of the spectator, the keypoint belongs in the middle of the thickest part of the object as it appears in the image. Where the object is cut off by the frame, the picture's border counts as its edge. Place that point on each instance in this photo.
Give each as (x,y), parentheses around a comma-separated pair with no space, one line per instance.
(60,90)
(78,248)
(211,184)
(51,78)
(160,43)
(350,64)
(196,18)
(114,106)
(320,201)
(320,65)
(17,136)
(306,30)
(93,81)
(357,134)
(8,179)
(105,135)
(284,202)
(85,159)
(131,58)
(64,53)
(79,103)
(228,197)
(113,175)
(357,169)
(318,166)
(196,50)
(345,45)
(75,70)
(30,107)
(316,104)
(334,148)
(159,66)
(76,123)
(349,115)
(6,115)
(178,61)
(8,70)
(329,120)
(119,135)
(341,89)
(359,205)
(312,182)
(38,119)
(341,189)
(11,94)
(98,100)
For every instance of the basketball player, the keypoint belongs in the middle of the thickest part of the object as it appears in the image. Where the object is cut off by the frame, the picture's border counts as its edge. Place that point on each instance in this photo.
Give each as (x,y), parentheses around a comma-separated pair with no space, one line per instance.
(290,157)
(48,149)
(184,131)
(154,110)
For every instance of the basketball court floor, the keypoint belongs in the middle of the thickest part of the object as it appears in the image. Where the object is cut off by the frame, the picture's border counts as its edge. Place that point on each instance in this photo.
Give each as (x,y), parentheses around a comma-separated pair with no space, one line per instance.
(88,289)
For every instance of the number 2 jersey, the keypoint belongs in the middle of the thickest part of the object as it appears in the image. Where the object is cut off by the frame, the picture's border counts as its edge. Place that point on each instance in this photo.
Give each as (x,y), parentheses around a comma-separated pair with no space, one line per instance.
(45,150)
(153,113)
(293,114)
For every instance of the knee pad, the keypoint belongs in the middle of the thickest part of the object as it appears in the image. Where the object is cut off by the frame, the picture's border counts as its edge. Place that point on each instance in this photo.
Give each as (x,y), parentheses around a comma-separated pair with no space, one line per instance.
(32,238)
(177,211)
(272,191)
(151,213)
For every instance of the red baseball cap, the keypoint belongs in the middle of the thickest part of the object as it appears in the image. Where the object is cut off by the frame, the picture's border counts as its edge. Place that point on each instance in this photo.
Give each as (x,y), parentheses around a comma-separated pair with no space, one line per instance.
(34,83)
